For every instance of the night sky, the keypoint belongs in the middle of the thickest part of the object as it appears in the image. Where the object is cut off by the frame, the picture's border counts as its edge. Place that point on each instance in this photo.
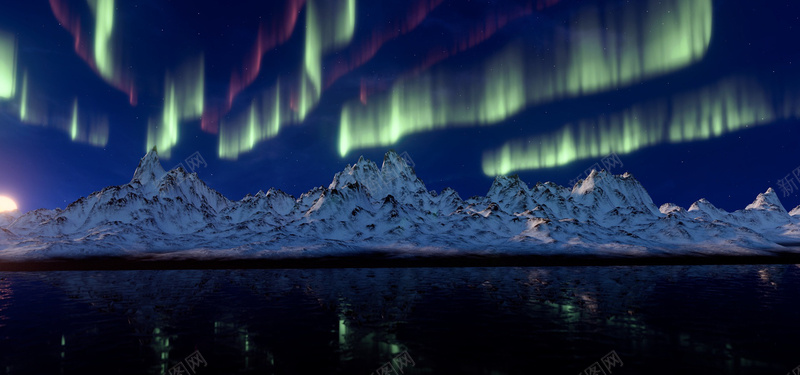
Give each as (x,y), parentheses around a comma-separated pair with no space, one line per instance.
(697,98)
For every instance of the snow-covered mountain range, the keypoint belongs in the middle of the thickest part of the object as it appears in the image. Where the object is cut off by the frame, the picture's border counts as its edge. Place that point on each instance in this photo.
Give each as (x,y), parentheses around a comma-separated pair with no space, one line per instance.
(389,209)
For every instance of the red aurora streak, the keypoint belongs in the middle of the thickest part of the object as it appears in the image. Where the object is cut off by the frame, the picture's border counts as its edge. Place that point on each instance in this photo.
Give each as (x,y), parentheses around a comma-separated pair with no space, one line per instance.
(363,92)
(367,50)
(278,31)
(492,23)
(541,4)
(71,21)
(266,39)
(269,39)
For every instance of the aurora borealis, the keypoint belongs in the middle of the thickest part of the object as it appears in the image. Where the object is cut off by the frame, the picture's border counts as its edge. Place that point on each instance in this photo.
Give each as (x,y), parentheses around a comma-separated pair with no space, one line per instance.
(695,96)
(603,59)
(723,107)
(8,62)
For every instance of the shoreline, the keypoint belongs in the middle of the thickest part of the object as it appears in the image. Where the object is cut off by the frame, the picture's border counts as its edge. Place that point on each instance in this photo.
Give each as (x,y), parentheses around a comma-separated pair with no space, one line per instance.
(384,260)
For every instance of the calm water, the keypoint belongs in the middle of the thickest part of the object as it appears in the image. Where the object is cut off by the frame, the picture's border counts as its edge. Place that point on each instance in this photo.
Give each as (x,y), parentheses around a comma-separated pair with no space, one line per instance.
(548,320)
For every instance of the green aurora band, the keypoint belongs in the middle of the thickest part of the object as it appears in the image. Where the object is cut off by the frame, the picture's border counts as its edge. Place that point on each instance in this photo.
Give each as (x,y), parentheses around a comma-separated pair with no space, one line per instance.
(88,129)
(73,127)
(103,11)
(605,48)
(80,125)
(262,120)
(183,100)
(729,105)
(34,109)
(23,100)
(8,65)
(330,25)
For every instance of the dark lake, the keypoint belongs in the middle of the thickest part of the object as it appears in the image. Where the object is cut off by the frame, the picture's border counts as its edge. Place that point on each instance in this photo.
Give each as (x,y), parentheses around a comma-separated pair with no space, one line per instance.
(727,319)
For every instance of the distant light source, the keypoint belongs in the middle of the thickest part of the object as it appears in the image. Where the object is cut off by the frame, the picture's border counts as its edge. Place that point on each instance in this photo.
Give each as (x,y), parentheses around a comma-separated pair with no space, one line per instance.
(7,204)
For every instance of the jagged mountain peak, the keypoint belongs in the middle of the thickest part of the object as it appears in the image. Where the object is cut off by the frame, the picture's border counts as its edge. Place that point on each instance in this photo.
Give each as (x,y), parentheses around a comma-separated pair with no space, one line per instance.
(703,204)
(504,184)
(767,201)
(395,167)
(370,206)
(391,154)
(395,177)
(602,189)
(448,191)
(362,170)
(707,211)
(588,183)
(151,180)
(176,176)
(668,208)
(551,187)
(603,179)
(149,168)
(511,193)
(273,192)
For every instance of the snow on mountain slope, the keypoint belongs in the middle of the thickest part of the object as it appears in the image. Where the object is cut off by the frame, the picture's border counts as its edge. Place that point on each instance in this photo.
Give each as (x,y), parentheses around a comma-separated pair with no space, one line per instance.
(612,196)
(766,215)
(155,202)
(394,177)
(765,212)
(149,169)
(366,207)
(7,217)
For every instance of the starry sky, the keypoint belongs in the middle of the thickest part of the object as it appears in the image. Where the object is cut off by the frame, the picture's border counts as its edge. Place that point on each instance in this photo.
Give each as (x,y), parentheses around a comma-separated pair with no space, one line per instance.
(695,98)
